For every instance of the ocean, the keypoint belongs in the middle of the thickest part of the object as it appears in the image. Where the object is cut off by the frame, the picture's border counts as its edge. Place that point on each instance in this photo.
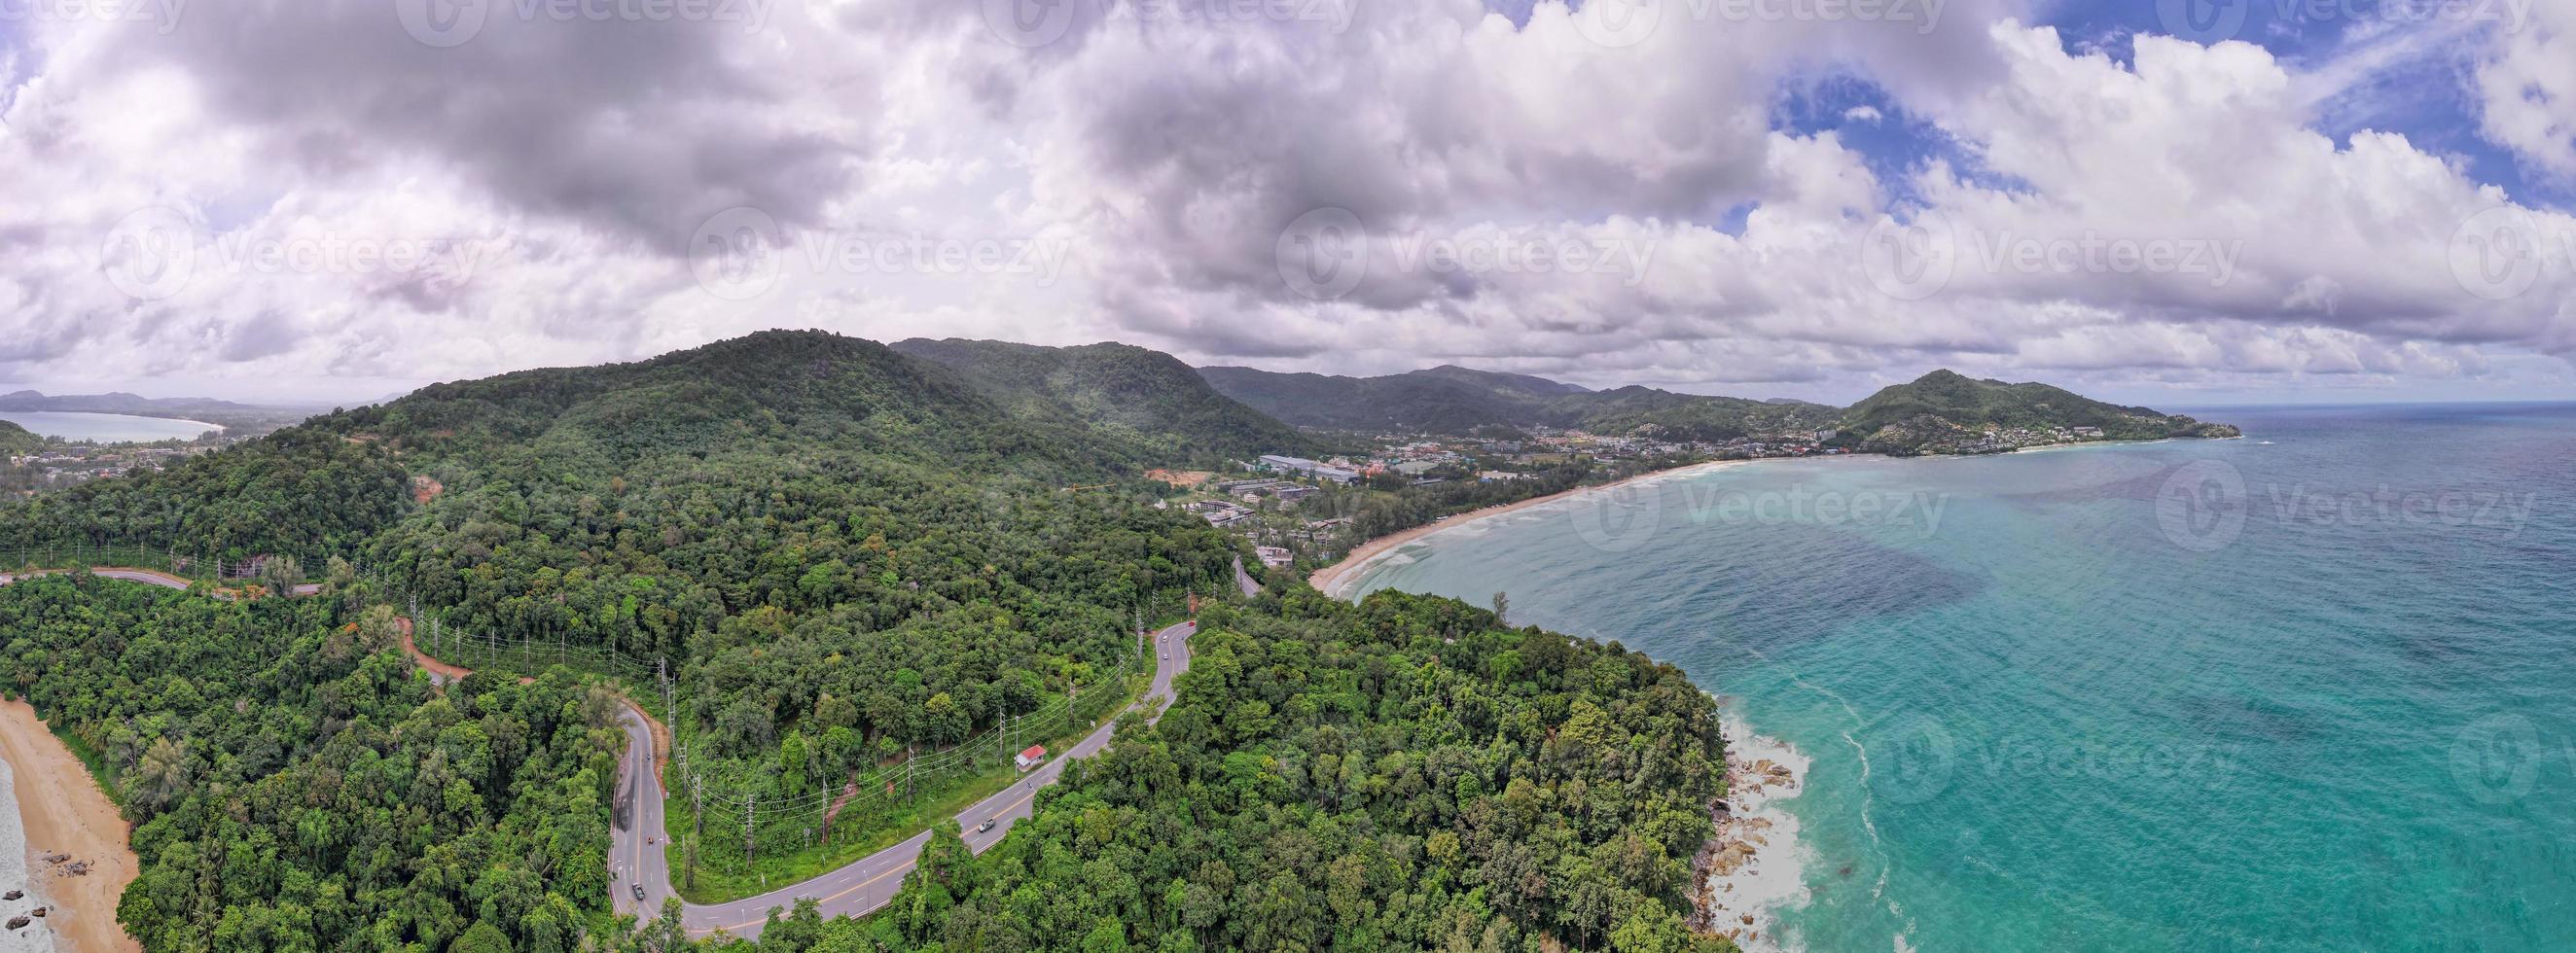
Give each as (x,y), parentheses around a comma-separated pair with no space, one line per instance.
(2312,689)
(34,937)
(106,428)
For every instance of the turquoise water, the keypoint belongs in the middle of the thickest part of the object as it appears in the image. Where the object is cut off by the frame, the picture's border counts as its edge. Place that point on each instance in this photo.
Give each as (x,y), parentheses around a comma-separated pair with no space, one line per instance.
(105,428)
(2311,689)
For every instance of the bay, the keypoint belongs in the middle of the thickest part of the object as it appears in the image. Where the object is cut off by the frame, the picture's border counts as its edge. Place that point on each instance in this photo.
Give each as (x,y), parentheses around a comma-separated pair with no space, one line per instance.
(2310,689)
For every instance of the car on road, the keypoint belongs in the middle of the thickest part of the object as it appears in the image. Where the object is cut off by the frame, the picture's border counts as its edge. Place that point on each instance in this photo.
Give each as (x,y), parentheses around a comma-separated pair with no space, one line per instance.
(986,826)
(639,891)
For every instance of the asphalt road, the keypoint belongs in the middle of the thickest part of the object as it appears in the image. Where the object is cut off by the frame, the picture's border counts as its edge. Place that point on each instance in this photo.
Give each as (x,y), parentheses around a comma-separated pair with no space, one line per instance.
(150,579)
(863,885)
(637,854)
(1243,580)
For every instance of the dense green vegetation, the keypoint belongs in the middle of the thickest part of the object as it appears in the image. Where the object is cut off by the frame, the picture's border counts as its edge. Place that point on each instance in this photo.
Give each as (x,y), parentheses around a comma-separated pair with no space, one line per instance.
(296,786)
(1904,418)
(1126,389)
(1456,400)
(1405,773)
(1402,774)
(16,441)
(844,556)
(299,492)
(848,559)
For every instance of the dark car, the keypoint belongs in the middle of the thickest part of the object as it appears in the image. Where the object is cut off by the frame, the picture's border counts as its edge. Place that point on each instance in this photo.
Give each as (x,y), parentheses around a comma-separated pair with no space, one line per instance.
(639,891)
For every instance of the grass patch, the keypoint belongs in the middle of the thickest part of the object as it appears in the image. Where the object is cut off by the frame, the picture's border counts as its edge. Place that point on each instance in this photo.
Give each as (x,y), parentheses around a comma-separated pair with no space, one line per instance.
(860,832)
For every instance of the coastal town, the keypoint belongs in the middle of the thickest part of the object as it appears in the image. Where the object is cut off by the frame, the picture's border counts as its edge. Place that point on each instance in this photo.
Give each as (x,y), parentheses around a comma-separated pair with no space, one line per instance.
(63,463)
(1316,510)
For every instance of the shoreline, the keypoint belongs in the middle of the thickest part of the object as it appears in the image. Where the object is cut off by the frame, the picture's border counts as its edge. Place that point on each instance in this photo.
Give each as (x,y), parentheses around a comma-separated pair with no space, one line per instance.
(1752,865)
(1356,563)
(1331,579)
(64,813)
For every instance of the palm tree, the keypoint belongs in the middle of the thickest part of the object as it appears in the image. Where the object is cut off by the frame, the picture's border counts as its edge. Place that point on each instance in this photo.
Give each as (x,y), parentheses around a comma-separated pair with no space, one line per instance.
(164,771)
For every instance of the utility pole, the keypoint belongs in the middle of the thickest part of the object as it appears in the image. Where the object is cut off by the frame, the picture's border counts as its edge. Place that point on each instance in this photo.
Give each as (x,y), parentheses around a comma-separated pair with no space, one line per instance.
(697,822)
(748,806)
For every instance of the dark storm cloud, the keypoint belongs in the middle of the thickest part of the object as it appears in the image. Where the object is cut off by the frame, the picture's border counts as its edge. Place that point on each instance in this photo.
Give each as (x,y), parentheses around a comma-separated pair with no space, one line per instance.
(639,128)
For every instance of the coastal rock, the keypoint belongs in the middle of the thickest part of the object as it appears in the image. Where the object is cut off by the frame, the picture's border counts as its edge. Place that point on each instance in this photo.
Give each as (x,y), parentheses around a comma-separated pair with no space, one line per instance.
(13,895)
(17,922)
(55,858)
(77,869)
(38,913)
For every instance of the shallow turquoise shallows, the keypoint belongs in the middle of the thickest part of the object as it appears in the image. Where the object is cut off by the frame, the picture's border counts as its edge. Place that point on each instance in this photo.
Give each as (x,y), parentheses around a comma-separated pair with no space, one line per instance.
(2310,689)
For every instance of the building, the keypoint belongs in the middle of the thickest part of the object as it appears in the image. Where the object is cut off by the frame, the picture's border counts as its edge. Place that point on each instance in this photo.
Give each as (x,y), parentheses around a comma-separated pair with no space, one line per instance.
(1030,758)
(1324,471)
(1293,493)
(1273,556)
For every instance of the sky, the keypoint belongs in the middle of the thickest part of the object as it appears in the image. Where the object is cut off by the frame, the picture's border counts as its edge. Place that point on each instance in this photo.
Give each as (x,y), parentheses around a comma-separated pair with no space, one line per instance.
(2187,202)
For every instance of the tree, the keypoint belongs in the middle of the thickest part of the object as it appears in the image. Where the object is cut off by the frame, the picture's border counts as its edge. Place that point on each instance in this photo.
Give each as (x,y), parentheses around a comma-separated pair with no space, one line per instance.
(481,938)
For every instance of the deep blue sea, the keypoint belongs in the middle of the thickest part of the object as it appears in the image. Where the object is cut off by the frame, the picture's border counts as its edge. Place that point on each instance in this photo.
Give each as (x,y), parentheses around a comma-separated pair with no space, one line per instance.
(2313,689)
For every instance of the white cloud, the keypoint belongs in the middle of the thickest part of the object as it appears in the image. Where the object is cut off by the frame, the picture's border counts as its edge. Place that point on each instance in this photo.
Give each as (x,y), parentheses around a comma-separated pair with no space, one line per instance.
(1165,157)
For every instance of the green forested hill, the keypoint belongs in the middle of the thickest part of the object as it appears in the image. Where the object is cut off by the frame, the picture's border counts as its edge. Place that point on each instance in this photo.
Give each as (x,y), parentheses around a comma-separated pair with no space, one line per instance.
(16,441)
(782,389)
(1129,390)
(1905,417)
(1455,400)
(847,557)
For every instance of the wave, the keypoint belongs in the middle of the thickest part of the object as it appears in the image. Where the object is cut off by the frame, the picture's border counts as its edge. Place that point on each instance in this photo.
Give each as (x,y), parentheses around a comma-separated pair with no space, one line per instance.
(1755,864)
(14,875)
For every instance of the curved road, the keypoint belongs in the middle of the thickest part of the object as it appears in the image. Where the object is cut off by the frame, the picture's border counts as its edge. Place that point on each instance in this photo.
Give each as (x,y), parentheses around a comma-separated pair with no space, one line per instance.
(861,886)
(855,889)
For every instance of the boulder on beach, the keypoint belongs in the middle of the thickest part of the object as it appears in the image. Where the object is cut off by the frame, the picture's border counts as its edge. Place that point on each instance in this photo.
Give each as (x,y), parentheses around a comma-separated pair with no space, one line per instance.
(17,922)
(13,895)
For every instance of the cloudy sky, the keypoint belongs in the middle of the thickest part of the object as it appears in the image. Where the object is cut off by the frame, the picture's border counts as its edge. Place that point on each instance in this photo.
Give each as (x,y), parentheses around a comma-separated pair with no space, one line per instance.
(2181,201)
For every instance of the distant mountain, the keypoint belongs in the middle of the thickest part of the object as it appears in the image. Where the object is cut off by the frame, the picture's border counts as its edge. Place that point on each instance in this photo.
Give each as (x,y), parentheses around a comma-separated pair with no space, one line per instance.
(123,403)
(1120,388)
(1503,383)
(1457,400)
(1941,408)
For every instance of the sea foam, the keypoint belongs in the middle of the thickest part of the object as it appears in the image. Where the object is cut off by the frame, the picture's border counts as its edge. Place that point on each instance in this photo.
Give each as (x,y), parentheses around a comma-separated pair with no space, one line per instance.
(14,875)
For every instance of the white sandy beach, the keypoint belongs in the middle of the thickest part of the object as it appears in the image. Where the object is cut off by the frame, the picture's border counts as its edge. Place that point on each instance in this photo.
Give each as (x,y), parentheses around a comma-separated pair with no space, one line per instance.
(62,812)
(1338,579)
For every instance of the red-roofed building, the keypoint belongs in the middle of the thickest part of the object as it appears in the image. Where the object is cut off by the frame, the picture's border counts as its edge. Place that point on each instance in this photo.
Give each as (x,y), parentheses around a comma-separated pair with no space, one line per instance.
(1030,758)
